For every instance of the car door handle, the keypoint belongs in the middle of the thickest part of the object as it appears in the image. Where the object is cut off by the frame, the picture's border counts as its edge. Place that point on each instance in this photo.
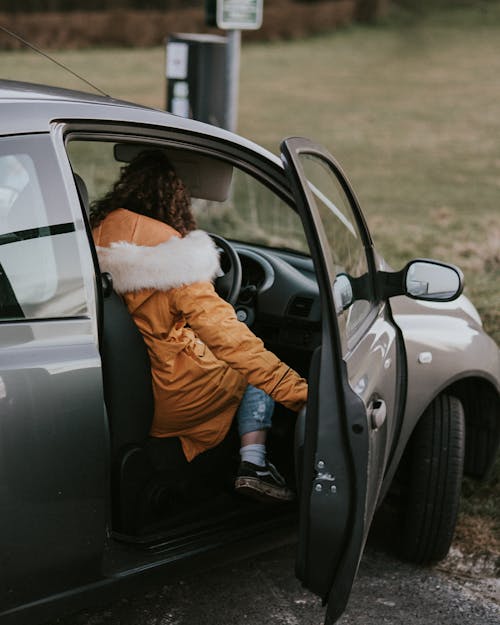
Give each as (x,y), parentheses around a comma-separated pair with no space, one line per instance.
(377,413)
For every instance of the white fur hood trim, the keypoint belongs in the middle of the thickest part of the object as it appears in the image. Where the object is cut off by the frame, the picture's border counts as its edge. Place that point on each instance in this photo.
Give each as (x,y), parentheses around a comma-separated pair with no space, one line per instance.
(174,263)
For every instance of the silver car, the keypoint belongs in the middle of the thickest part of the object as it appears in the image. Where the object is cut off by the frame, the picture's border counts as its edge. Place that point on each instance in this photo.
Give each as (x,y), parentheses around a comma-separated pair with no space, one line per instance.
(404,383)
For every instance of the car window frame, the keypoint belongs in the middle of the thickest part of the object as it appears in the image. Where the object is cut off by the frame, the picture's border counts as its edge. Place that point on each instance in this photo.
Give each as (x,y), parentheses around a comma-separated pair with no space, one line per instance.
(266,171)
(256,172)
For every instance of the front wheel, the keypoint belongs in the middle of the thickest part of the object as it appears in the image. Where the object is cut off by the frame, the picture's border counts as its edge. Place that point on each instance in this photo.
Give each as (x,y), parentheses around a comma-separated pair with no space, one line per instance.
(435,468)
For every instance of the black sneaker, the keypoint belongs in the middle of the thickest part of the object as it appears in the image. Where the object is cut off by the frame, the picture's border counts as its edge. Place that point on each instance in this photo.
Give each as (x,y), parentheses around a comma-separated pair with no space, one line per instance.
(264,483)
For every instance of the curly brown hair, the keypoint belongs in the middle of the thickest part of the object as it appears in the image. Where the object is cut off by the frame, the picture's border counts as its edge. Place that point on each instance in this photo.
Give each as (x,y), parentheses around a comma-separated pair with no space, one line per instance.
(148,185)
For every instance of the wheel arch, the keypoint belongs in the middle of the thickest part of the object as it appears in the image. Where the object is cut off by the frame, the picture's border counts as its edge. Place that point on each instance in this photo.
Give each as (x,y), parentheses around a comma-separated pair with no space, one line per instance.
(461,368)
(480,400)
(481,404)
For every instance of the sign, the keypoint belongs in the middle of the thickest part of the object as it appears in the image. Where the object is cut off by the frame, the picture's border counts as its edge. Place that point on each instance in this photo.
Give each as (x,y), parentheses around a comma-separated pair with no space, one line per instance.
(177,60)
(239,14)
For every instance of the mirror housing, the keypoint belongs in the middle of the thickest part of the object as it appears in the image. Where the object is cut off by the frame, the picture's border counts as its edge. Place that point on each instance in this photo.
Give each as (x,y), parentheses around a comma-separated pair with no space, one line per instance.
(342,292)
(422,279)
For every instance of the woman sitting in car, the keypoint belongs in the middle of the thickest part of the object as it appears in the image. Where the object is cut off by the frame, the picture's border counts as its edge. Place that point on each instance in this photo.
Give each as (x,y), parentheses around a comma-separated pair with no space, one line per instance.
(206,365)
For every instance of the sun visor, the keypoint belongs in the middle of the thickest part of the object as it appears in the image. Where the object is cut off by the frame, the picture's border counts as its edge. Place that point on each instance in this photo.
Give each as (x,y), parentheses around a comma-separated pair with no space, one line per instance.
(206,177)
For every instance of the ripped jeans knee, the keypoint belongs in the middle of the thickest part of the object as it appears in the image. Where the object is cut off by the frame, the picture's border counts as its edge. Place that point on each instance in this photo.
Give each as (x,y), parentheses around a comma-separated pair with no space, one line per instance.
(255,411)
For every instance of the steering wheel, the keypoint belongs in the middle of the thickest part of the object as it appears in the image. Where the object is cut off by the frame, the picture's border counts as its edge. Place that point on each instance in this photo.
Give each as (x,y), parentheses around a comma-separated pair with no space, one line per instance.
(229,284)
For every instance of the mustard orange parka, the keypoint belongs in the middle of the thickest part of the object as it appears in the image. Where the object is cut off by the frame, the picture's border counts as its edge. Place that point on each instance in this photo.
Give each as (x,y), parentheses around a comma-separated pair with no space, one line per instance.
(202,357)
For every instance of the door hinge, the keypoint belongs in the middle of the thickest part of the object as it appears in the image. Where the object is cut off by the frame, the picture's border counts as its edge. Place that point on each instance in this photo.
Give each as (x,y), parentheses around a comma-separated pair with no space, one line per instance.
(324,483)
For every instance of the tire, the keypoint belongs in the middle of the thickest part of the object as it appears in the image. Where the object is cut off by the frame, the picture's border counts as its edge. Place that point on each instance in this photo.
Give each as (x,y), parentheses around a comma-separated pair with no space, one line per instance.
(435,468)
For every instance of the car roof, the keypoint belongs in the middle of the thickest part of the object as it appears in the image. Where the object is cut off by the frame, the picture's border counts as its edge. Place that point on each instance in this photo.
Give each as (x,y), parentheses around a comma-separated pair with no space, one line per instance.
(29,108)
(14,90)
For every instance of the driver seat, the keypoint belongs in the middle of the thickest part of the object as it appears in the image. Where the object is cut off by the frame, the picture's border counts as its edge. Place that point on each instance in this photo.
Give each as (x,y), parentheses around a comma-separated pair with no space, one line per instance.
(148,474)
(151,478)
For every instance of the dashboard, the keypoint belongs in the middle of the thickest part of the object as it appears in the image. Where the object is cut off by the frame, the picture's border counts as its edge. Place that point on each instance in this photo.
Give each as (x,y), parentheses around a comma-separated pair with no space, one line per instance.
(279,297)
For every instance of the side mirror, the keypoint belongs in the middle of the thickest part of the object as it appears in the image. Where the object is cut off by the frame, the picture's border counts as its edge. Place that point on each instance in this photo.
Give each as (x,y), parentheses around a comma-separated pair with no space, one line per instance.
(433,281)
(422,279)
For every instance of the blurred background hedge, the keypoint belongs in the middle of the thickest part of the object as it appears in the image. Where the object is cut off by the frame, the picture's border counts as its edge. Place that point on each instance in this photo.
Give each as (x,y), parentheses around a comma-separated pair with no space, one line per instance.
(65,24)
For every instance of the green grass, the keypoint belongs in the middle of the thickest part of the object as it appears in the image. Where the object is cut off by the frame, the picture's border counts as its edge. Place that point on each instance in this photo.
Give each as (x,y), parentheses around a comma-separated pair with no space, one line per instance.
(413,118)
(410,108)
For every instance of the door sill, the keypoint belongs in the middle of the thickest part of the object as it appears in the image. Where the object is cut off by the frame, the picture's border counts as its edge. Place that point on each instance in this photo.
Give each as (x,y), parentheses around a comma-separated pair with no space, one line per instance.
(127,554)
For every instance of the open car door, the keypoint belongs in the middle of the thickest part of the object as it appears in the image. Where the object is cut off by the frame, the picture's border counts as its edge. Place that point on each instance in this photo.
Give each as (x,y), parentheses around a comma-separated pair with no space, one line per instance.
(342,441)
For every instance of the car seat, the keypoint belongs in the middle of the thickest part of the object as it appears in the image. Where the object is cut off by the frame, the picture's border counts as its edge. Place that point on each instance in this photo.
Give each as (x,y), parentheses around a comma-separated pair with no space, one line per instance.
(152,481)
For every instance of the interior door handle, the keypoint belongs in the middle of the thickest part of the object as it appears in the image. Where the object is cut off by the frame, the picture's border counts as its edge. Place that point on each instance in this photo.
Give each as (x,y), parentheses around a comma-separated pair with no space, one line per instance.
(107,284)
(377,413)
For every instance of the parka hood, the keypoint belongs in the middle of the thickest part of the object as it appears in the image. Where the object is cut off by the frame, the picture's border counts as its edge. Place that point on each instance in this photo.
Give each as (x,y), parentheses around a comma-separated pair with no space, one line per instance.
(173,263)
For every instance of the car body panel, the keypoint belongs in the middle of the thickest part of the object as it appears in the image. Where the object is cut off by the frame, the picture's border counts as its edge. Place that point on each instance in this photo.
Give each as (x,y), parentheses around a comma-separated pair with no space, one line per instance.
(444,344)
(440,335)
(54,451)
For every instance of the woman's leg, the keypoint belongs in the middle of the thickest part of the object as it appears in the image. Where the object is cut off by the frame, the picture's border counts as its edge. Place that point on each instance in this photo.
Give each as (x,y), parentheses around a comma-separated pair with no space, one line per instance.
(254,418)
(256,476)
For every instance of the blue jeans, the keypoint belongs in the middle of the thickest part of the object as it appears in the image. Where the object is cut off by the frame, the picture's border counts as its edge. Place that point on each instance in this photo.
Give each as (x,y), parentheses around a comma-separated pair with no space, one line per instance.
(255,411)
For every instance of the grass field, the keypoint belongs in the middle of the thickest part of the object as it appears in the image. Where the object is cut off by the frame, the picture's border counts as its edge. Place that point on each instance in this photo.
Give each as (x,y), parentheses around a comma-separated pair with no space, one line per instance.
(410,109)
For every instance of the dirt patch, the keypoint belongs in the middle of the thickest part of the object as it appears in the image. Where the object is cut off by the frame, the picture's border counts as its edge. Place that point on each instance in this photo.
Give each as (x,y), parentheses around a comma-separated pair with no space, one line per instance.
(478,536)
(478,565)
(479,573)
(474,558)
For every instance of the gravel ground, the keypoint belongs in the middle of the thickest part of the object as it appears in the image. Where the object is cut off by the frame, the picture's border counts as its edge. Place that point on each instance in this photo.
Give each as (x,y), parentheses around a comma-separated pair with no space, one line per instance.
(264,591)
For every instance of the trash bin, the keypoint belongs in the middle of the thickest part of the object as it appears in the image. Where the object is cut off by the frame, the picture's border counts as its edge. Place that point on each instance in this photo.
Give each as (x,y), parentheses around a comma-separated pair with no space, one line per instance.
(196,77)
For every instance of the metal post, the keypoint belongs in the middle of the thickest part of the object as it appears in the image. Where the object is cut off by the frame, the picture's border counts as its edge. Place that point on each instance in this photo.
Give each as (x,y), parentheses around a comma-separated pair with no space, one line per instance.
(233,73)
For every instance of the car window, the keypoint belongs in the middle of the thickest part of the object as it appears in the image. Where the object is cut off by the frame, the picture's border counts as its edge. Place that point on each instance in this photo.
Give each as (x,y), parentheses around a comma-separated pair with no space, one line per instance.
(40,274)
(248,211)
(345,250)
(94,161)
(254,214)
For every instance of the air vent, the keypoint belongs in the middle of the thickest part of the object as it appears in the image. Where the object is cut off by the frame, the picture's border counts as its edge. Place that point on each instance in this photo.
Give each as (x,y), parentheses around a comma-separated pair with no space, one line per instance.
(300,306)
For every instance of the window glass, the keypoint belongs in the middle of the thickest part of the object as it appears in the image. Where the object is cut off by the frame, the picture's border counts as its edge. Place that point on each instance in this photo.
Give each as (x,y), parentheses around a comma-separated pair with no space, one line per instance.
(345,249)
(95,163)
(246,210)
(254,214)
(40,275)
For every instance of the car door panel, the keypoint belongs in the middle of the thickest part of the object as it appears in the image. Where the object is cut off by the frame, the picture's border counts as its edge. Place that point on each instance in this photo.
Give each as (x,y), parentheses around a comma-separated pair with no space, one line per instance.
(52,450)
(352,390)
(372,371)
(328,483)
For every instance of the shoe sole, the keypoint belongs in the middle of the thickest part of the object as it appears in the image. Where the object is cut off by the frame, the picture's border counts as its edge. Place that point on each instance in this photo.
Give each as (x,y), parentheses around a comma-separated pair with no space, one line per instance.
(260,490)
